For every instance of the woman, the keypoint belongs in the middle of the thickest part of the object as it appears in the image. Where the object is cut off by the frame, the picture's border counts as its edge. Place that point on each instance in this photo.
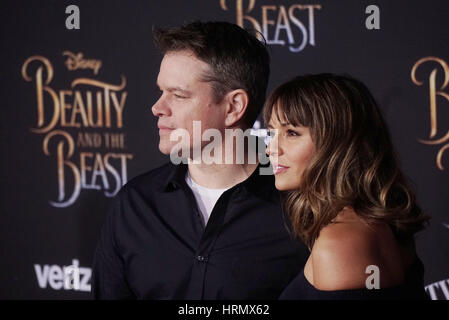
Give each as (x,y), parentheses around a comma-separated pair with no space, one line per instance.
(345,195)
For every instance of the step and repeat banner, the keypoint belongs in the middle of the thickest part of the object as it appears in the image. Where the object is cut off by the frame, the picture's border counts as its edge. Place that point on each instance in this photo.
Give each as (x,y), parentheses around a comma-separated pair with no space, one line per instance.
(78,81)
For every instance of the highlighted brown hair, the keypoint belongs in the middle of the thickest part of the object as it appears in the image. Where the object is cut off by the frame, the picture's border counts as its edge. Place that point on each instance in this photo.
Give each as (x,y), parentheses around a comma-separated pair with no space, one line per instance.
(354,163)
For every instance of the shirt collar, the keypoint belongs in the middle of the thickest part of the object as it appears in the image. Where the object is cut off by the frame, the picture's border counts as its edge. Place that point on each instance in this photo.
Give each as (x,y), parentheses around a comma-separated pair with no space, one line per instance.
(176,178)
(256,183)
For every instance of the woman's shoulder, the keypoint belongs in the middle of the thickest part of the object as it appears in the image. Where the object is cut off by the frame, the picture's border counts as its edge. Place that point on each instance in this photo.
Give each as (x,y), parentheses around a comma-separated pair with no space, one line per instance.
(346,252)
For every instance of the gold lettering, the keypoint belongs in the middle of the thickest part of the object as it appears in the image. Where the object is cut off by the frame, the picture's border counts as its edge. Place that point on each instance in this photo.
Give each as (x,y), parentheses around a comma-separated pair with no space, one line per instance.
(283,23)
(433,93)
(107,106)
(119,180)
(77,61)
(311,7)
(89,140)
(78,107)
(84,168)
(99,122)
(115,174)
(266,22)
(64,106)
(285,17)
(241,17)
(440,156)
(75,108)
(63,162)
(300,26)
(99,171)
(119,107)
(40,89)
(81,113)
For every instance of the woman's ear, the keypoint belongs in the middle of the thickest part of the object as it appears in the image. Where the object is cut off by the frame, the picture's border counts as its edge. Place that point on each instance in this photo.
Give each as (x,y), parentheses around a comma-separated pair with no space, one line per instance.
(236,105)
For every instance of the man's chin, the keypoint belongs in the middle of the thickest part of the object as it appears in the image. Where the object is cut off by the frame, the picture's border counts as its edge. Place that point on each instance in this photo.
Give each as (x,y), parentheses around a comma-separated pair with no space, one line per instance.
(168,149)
(164,149)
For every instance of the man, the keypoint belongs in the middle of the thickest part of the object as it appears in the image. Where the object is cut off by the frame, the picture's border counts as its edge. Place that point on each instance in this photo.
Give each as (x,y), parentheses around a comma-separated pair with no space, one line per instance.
(197,230)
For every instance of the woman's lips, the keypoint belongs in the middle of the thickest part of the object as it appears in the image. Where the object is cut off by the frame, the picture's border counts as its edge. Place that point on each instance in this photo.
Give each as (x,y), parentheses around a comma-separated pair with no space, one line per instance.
(278,169)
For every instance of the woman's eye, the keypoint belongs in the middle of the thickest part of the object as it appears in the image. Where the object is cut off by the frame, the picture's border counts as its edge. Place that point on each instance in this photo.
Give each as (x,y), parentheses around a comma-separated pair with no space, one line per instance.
(292,133)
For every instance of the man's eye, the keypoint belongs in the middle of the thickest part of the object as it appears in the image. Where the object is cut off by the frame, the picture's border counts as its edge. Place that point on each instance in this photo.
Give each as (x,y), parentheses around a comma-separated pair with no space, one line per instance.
(177,96)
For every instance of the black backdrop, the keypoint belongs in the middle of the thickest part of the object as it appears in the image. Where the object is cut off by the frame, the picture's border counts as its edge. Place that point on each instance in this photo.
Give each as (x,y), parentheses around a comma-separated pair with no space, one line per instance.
(54,199)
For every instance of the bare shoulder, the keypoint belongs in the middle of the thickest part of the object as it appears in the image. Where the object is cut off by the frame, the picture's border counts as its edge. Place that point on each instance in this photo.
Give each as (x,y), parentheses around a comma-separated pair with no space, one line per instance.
(342,253)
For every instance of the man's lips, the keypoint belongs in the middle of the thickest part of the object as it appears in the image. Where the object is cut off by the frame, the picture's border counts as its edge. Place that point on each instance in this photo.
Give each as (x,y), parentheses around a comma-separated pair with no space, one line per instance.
(278,168)
(164,129)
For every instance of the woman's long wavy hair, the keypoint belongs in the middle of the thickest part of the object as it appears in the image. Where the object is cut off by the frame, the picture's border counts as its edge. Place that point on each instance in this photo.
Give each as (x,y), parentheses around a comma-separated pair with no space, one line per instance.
(354,163)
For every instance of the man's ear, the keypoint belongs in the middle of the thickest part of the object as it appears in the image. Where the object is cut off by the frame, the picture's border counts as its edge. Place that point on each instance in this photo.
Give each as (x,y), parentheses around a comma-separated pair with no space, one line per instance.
(236,104)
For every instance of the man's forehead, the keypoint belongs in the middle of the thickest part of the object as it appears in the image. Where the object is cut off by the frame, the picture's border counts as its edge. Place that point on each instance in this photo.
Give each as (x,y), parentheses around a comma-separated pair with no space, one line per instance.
(183,52)
(180,67)
(185,58)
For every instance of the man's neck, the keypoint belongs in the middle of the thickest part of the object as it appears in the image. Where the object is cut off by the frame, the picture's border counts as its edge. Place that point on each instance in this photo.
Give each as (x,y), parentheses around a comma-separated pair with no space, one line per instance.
(220,176)
(225,174)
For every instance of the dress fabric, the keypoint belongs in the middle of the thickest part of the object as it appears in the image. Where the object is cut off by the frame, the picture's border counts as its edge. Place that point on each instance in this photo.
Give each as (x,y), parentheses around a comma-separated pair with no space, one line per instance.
(412,288)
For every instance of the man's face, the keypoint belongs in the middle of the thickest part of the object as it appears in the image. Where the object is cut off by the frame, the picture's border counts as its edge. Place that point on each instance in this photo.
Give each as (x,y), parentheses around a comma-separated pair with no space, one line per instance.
(185,98)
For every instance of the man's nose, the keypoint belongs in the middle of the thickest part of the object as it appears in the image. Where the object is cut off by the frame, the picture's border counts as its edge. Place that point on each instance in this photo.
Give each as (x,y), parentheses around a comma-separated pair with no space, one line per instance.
(160,108)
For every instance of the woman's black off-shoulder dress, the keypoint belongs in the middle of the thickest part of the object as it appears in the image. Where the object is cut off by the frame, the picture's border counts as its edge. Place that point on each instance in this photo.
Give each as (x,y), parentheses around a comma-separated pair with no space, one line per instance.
(412,288)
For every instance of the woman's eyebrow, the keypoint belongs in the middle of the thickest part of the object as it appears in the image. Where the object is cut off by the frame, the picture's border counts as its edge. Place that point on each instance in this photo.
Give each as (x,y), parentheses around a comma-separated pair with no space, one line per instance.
(298,125)
(283,124)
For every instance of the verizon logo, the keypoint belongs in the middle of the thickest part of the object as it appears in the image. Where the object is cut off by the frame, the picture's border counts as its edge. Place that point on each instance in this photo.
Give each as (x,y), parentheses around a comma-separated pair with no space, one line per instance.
(70,277)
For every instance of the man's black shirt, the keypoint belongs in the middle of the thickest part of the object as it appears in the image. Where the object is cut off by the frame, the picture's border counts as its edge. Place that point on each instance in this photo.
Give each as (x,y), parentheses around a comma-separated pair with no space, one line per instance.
(154,244)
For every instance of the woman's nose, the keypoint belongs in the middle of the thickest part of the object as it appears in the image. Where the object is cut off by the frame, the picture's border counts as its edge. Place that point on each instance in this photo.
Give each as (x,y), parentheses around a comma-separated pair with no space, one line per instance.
(273,147)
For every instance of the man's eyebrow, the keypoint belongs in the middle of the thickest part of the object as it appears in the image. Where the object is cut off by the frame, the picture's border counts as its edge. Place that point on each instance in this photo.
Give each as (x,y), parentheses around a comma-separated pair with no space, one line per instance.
(179,89)
(171,89)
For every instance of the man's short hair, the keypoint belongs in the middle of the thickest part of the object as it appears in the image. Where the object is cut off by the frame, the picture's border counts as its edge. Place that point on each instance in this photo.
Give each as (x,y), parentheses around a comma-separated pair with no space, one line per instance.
(237,58)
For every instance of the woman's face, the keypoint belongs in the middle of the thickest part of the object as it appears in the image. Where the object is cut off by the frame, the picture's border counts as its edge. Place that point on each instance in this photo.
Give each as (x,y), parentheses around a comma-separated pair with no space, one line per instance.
(291,148)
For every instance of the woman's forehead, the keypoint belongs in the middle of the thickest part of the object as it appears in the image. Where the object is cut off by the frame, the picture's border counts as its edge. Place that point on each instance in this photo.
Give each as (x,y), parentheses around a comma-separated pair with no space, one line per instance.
(278,113)
(280,116)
